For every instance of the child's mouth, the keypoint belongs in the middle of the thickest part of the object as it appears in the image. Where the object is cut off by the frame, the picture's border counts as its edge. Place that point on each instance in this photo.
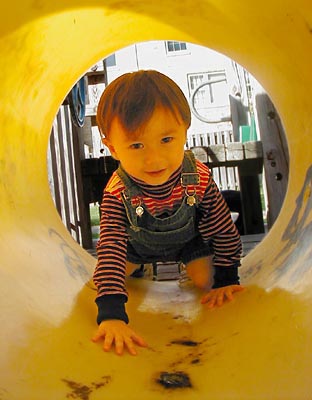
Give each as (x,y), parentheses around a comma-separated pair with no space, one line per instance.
(155,173)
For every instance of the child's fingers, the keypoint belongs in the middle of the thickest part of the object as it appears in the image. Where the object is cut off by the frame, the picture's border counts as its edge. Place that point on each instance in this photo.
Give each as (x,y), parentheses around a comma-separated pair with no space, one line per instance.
(216,297)
(205,298)
(139,340)
(118,335)
(220,299)
(97,336)
(131,341)
(130,346)
(238,288)
(209,299)
(216,300)
(108,341)
(119,345)
(228,293)
(230,290)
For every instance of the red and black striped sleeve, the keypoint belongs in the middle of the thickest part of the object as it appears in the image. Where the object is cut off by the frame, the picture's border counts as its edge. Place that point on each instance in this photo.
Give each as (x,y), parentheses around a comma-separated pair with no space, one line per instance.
(110,272)
(216,224)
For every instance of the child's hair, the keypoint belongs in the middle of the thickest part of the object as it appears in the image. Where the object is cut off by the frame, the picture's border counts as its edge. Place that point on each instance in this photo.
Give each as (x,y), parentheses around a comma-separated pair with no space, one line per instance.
(133,97)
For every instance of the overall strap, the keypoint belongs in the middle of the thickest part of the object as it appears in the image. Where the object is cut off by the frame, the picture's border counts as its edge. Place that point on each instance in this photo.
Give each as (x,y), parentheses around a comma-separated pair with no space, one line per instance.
(190,178)
(189,175)
(128,195)
(131,189)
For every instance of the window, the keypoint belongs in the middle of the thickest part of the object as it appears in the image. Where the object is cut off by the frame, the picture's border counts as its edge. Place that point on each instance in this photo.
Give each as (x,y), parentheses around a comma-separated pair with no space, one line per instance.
(111,60)
(173,47)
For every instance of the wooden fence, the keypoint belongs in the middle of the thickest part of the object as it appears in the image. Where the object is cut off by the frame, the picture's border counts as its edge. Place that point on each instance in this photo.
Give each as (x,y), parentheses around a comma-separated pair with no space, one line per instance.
(225,177)
(65,178)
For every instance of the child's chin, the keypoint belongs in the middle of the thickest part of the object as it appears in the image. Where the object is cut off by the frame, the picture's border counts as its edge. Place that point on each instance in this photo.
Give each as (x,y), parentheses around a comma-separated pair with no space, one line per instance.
(155,179)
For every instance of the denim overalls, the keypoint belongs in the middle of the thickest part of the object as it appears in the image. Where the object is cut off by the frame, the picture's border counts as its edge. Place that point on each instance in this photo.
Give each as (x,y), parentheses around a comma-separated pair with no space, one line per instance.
(173,238)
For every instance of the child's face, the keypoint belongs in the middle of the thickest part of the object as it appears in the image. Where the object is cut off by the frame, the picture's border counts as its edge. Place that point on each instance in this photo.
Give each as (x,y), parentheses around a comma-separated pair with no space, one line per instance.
(157,150)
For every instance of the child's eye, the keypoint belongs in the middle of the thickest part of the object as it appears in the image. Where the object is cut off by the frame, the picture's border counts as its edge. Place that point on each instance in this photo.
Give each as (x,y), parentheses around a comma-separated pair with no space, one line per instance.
(136,146)
(167,139)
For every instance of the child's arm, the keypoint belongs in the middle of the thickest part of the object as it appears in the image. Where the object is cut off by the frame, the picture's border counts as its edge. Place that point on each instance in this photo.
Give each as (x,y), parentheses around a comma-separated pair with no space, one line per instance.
(117,333)
(216,225)
(109,278)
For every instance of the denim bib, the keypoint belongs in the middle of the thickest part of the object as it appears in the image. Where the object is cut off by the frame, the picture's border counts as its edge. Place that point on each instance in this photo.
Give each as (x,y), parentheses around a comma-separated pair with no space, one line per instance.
(151,238)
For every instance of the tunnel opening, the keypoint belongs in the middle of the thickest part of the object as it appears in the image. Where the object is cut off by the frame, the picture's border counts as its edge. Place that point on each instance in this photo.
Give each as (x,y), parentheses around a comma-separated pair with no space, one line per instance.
(232,116)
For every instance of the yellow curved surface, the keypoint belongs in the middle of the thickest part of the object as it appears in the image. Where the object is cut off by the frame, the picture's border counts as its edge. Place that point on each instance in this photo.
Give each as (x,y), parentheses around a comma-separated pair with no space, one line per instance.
(257,347)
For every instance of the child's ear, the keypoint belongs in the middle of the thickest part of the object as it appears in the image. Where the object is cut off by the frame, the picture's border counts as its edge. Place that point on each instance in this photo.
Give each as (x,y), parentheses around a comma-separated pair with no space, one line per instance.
(110,146)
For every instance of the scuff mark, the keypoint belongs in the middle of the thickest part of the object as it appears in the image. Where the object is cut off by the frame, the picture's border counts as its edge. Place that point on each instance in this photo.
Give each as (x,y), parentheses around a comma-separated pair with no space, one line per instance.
(82,391)
(189,343)
(174,380)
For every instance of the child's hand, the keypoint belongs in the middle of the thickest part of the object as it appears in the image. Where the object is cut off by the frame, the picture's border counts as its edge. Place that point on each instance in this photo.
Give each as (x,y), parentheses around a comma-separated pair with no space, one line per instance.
(118,333)
(216,297)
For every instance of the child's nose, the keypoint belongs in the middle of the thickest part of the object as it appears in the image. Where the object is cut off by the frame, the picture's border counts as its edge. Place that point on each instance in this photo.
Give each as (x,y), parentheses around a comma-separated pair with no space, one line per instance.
(152,157)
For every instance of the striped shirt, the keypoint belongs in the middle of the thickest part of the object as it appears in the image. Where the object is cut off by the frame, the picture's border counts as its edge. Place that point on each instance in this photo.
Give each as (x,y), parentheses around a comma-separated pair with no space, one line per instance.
(214,224)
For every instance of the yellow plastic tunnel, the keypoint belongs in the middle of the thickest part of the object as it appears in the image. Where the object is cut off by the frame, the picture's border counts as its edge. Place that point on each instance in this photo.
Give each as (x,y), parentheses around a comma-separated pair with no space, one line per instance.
(258,346)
